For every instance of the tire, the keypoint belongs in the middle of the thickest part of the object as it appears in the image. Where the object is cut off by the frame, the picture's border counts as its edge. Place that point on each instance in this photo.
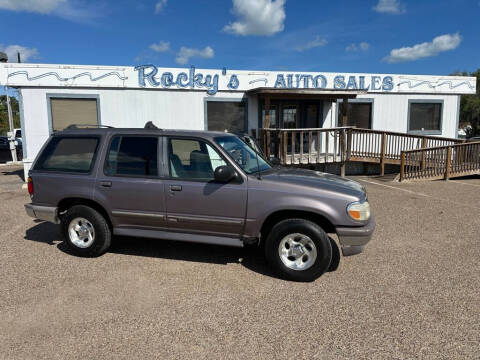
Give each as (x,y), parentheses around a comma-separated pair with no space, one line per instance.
(335,256)
(311,247)
(88,219)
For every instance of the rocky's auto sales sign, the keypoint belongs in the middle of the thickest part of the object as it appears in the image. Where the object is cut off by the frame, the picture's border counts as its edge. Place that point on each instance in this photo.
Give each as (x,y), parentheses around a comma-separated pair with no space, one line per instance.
(193,79)
(212,81)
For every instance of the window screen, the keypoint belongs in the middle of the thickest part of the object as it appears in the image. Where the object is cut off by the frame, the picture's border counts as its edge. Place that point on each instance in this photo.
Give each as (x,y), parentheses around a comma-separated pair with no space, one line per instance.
(289,117)
(425,116)
(226,115)
(358,114)
(72,111)
(132,155)
(68,154)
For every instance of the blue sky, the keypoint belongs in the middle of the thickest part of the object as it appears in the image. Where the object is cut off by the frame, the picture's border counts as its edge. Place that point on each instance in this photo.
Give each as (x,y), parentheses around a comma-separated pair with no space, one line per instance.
(382,36)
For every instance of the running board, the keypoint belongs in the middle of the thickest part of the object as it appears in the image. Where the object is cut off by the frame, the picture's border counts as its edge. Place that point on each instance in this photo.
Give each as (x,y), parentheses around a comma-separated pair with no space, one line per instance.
(166,235)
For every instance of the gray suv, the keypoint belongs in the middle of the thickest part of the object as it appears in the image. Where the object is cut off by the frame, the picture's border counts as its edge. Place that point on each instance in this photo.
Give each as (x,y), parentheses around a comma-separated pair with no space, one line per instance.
(197,186)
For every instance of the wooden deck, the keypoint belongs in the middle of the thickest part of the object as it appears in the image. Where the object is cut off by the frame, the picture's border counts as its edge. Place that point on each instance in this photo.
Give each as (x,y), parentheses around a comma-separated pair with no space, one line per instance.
(298,147)
(442,162)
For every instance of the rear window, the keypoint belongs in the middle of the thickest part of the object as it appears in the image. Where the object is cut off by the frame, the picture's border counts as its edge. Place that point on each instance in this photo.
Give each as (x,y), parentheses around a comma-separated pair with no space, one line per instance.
(70,154)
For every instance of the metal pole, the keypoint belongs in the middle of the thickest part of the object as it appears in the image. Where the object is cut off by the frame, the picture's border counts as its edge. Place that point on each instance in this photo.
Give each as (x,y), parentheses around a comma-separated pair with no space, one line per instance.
(10,124)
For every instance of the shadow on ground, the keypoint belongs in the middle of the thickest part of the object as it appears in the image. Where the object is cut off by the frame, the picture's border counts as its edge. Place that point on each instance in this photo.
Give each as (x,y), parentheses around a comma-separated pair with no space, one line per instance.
(251,256)
(469,177)
(17,172)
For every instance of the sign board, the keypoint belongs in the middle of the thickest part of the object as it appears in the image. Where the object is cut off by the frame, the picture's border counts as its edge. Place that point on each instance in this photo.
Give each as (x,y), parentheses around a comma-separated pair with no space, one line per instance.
(212,81)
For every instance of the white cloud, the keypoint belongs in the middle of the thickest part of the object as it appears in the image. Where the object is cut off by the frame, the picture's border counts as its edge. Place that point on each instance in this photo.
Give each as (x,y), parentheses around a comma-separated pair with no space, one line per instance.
(184,55)
(160,5)
(257,17)
(39,6)
(363,46)
(440,44)
(317,42)
(26,53)
(390,7)
(161,46)
(67,9)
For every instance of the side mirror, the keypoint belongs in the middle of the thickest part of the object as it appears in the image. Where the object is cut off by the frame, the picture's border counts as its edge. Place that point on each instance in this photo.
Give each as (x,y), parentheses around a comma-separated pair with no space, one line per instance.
(223,174)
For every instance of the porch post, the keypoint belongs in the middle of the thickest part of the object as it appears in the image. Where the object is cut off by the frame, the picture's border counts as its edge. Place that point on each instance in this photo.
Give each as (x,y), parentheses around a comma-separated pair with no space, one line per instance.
(344,111)
(343,144)
(267,112)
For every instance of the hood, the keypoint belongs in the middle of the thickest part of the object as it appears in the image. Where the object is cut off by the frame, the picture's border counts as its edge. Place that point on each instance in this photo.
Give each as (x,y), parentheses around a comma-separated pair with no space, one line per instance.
(316,179)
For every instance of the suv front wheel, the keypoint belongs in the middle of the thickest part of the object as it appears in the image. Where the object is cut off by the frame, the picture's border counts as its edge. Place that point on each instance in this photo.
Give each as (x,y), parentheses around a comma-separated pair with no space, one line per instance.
(86,231)
(298,250)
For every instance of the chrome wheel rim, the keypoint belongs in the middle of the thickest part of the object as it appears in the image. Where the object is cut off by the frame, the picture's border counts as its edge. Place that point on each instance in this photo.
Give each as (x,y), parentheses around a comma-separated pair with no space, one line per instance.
(297,251)
(81,232)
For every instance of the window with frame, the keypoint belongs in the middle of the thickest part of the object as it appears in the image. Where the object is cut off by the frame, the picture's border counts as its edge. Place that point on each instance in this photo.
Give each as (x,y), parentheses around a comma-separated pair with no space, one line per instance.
(289,115)
(425,117)
(359,114)
(273,123)
(69,154)
(192,159)
(73,111)
(132,156)
(228,116)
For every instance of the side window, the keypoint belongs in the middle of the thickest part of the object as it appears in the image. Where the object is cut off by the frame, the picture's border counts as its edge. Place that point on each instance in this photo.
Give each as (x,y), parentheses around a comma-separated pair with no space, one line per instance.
(192,159)
(68,154)
(111,161)
(132,155)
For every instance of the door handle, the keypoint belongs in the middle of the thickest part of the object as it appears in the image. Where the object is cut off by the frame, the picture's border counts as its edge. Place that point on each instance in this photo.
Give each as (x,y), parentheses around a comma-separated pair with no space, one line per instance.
(106,183)
(175,187)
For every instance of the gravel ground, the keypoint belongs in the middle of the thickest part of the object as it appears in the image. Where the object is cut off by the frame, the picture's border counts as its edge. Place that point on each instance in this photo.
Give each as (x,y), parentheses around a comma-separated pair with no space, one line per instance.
(414,293)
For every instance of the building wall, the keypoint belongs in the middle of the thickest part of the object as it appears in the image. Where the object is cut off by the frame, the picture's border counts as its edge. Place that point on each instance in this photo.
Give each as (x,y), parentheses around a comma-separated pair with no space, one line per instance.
(123,108)
(184,109)
(390,112)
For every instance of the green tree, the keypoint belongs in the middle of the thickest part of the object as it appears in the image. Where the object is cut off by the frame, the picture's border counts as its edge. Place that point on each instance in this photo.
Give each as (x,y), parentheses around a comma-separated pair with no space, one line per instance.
(4,114)
(470,106)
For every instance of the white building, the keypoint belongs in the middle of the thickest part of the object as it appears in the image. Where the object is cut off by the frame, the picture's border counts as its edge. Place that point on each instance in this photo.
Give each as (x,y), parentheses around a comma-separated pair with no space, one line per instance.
(55,96)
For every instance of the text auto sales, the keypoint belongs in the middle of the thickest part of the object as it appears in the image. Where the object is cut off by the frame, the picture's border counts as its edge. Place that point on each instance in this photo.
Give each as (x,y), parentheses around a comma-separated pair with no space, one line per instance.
(194,80)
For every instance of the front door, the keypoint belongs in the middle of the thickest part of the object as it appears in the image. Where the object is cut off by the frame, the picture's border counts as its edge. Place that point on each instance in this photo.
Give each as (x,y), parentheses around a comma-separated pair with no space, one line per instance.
(195,202)
(130,182)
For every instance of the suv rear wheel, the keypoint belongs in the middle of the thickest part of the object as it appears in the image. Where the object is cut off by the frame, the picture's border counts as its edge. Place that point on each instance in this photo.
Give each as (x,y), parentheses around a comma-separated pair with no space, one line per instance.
(86,231)
(298,250)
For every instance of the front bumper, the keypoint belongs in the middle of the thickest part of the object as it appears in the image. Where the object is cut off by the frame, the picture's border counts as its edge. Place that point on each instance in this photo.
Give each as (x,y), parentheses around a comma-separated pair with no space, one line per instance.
(354,239)
(47,213)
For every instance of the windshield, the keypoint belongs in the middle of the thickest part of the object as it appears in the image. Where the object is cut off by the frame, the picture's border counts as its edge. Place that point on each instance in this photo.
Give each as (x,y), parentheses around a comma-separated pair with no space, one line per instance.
(242,154)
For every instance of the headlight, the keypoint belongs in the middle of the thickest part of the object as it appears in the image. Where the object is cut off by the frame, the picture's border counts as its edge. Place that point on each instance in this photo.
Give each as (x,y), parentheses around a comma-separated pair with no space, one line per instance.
(359,211)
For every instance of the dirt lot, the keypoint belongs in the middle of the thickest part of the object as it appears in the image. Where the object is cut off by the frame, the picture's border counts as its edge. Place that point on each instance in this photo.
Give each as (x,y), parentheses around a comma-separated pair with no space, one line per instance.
(414,293)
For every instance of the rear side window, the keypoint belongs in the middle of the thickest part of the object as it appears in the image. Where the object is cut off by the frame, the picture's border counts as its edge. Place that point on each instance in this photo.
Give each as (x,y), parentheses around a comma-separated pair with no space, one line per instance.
(132,156)
(70,154)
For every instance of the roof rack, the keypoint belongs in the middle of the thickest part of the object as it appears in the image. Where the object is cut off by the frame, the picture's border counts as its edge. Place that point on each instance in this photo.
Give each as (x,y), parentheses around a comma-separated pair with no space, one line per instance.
(76,126)
(151,125)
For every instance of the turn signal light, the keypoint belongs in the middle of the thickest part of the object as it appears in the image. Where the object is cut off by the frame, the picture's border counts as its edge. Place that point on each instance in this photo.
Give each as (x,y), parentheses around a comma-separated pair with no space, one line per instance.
(359,211)
(30,185)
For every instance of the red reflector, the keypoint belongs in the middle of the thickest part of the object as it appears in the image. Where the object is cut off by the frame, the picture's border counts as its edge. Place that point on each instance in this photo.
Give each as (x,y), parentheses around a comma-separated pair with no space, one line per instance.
(30,185)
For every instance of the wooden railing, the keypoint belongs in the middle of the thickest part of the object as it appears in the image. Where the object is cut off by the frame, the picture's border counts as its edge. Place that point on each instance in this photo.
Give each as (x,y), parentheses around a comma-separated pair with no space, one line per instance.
(372,145)
(342,144)
(441,162)
(304,146)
